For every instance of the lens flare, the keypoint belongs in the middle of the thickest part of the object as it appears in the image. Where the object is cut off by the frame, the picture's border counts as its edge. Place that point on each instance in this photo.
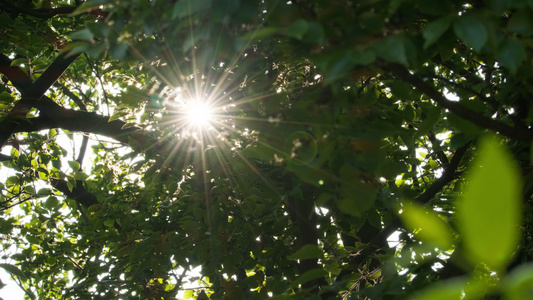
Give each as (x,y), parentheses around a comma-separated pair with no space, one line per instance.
(199,114)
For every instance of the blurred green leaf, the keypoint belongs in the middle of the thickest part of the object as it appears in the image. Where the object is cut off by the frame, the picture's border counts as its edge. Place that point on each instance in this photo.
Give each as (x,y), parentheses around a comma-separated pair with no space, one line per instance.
(74,165)
(13,270)
(297,29)
(309,275)
(434,30)
(185,8)
(81,176)
(82,35)
(471,31)
(489,211)
(393,49)
(51,203)
(426,225)
(518,284)
(19,61)
(521,22)
(307,252)
(511,54)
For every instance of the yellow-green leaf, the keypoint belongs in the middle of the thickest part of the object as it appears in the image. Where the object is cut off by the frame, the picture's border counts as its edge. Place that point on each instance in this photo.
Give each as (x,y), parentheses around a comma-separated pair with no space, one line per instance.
(74,165)
(489,212)
(518,284)
(427,225)
(118,114)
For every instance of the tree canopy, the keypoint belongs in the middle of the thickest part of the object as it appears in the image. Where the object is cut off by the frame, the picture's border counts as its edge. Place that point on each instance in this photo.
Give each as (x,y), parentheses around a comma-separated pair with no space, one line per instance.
(244,149)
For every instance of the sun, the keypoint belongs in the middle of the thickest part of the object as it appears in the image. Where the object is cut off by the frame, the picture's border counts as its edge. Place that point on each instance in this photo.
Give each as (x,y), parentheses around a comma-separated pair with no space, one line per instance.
(195,113)
(199,114)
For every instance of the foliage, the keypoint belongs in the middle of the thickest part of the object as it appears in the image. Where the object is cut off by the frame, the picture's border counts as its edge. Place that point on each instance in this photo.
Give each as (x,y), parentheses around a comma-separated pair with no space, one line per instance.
(334,125)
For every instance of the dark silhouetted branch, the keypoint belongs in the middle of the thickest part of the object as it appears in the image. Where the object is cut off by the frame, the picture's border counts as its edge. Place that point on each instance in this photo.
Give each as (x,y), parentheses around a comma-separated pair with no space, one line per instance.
(520,134)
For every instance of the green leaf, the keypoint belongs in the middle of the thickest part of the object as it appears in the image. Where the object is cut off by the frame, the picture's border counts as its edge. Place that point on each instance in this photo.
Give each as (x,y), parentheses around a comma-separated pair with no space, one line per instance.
(118,51)
(71,183)
(521,22)
(89,5)
(185,8)
(44,192)
(118,114)
(51,203)
(427,225)
(357,196)
(307,252)
(471,31)
(109,222)
(392,48)
(364,57)
(297,29)
(19,61)
(489,211)
(6,97)
(29,189)
(435,30)
(452,289)
(511,54)
(188,294)
(74,165)
(81,176)
(309,275)
(82,35)
(12,180)
(314,34)
(518,284)
(13,270)
(435,8)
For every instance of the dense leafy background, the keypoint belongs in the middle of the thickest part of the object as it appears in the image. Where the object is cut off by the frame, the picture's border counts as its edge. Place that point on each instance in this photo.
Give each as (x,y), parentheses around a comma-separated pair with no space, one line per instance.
(337,124)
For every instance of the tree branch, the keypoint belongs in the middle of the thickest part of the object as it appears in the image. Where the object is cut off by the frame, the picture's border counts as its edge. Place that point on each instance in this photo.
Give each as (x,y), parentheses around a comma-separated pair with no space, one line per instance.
(448,175)
(520,134)
(43,13)
(31,95)
(18,78)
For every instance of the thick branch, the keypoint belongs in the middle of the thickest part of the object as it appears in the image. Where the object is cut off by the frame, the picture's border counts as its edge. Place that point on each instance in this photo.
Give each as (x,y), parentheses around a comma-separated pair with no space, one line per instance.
(43,13)
(78,193)
(520,134)
(18,78)
(56,116)
(50,75)
(31,94)
(448,175)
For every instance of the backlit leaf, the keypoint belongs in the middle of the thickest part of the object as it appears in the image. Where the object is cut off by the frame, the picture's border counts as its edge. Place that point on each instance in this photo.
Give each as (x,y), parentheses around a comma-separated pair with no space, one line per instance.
(519,283)
(74,165)
(427,225)
(489,210)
